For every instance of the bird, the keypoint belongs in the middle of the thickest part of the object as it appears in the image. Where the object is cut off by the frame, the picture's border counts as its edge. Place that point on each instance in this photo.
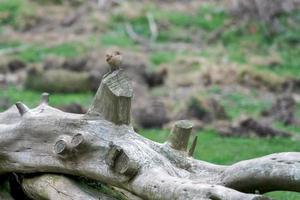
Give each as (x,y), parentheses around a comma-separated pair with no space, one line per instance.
(114,60)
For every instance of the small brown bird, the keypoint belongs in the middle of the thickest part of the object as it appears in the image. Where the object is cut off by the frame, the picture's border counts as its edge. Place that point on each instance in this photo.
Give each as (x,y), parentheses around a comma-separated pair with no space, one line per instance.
(114,60)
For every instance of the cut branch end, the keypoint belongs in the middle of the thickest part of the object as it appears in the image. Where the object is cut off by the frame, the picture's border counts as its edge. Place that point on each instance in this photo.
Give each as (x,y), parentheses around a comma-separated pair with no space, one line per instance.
(180,135)
(45,98)
(113,99)
(61,147)
(22,108)
(193,147)
(77,140)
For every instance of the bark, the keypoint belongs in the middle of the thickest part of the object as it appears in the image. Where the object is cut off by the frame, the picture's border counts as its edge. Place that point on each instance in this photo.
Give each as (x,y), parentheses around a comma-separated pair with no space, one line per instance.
(102,145)
(50,186)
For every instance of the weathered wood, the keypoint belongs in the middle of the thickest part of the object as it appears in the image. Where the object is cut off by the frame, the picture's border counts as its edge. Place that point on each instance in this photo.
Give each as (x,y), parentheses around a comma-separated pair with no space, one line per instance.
(77,141)
(113,99)
(193,147)
(22,108)
(120,162)
(180,135)
(45,98)
(61,147)
(27,146)
(269,173)
(57,187)
(101,145)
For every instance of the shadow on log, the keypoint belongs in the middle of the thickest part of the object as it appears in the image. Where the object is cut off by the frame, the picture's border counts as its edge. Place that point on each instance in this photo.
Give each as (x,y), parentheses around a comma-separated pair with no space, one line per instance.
(5,192)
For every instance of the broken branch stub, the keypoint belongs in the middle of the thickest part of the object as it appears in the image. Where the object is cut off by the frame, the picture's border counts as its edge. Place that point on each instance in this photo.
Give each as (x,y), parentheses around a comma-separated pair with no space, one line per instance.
(180,135)
(61,147)
(193,147)
(66,146)
(45,98)
(112,155)
(22,108)
(113,99)
(124,165)
(77,140)
(120,162)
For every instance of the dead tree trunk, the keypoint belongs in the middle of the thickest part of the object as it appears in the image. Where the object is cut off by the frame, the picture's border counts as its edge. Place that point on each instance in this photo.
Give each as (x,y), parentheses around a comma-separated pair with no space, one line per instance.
(50,186)
(101,145)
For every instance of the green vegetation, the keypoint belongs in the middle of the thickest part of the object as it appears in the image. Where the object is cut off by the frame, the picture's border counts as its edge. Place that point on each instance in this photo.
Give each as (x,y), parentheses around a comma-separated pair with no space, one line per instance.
(37,53)
(236,104)
(9,10)
(288,128)
(158,58)
(116,38)
(16,13)
(239,41)
(9,44)
(223,150)
(210,17)
(290,67)
(252,39)
(32,98)
(177,23)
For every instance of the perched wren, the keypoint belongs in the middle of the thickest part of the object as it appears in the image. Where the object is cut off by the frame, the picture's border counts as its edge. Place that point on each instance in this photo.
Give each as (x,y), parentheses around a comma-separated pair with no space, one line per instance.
(114,60)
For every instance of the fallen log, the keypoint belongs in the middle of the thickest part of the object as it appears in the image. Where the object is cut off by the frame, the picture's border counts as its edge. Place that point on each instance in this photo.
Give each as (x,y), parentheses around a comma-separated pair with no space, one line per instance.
(51,186)
(101,145)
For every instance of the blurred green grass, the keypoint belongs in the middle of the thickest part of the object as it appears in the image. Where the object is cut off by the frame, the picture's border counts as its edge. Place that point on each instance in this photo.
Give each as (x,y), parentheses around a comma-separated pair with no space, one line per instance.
(161,57)
(32,98)
(38,53)
(11,9)
(237,103)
